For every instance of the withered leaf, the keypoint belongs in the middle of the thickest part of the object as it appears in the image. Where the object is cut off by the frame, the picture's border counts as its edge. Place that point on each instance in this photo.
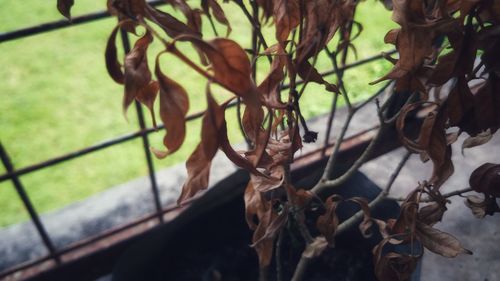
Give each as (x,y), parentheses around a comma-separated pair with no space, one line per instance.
(477,140)
(392,266)
(137,75)
(172,26)
(439,242)
(432,213)
(308,72)
(273,181)
(286,17)
(111,55)
(431,140)
(328,222)
(269,86)
(198,164)
(264,248)
(367,223)
(64,7)
(174,105)
(254,206)
(148,97)
(274,227)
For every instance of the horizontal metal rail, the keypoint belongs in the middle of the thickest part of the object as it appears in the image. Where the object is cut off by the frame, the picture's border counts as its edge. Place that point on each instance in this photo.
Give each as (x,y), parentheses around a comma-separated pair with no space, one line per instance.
(127,137)
(55,25)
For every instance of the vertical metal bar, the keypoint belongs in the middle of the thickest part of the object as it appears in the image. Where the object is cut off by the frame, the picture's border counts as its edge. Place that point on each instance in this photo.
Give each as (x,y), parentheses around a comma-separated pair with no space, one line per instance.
(29,206)
(145,140)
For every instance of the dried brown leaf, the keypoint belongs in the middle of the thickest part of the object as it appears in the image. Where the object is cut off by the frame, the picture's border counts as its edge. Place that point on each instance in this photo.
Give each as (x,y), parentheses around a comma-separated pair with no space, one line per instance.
(432,213)
(137,74)
(198,164)
(439,242)
(286,17)
(479,139)
(328,222)
(147,96)
(174,105)
(112,65)
(64,7)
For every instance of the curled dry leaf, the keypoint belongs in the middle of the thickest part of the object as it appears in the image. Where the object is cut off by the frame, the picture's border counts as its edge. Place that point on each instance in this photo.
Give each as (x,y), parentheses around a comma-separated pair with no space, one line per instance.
(198,164)
(270,224)
(432,213)
(174,105)
(367,223)
(439,242)
(421,24)
(172,26)
(479,139)
(309,73)
(232,69)
(486,179)
(254,206)
(328,222)
(274,227)
(407,217)
(392,266)
(268,88)
(431,140)
(274,180)
(286,17)
(64,7)
(112,65)
(148,96)
(137,74)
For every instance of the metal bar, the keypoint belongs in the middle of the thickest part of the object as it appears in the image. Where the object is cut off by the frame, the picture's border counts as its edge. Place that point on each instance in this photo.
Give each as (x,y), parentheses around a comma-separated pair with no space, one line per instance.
(54,25)
(145,140)
(92,148)
(347,66)
(28,205)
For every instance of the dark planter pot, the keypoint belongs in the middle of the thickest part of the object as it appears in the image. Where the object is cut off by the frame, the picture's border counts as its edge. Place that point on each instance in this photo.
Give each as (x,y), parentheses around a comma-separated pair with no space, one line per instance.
(211,241)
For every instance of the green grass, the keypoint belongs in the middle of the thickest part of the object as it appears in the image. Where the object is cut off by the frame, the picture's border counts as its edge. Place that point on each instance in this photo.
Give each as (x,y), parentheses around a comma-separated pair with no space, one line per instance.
(56,97)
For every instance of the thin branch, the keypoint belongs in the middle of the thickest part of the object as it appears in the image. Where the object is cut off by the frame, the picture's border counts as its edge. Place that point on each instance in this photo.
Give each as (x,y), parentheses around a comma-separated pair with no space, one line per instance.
(333,157)
(446,195)
(349,223)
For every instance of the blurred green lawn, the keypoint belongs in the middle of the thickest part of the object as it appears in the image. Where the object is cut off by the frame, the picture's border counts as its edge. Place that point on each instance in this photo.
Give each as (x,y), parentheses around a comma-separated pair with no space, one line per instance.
(56,97)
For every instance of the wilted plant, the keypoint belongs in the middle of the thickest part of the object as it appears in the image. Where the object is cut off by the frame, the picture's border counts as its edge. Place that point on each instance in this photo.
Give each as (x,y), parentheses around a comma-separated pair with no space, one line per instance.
(448,64)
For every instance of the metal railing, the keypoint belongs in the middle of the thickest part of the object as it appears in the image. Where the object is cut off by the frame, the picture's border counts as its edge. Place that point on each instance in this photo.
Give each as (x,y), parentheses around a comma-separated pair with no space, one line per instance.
(15,175)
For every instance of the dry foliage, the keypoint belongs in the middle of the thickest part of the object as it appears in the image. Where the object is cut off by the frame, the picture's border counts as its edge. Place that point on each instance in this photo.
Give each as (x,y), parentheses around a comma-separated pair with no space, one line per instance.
(448,60)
